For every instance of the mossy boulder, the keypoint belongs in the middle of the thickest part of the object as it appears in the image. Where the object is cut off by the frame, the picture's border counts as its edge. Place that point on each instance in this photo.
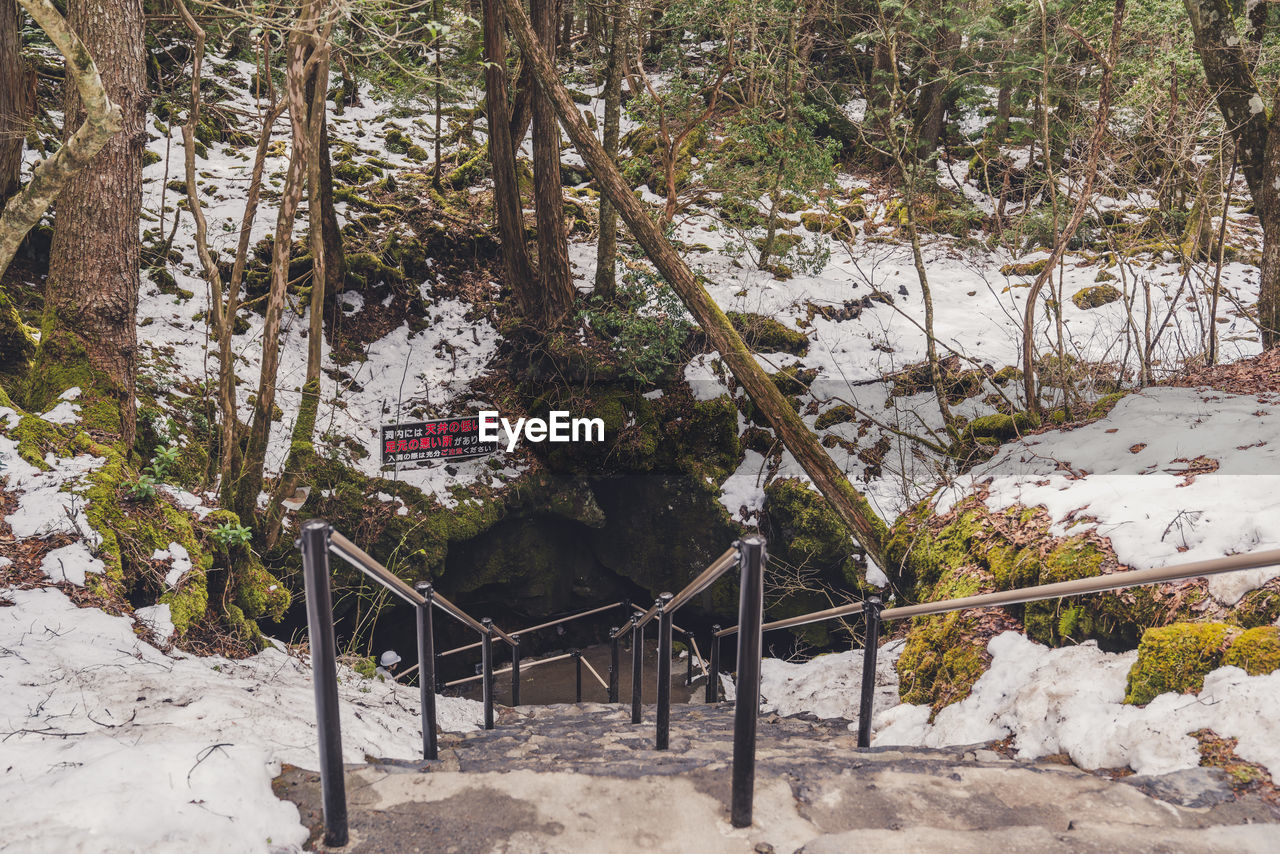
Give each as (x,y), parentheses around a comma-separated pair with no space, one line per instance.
(1026,269)
(840,414)
(1095,296)
(1176,658)
(766,335)
(1256,651)
(972,549)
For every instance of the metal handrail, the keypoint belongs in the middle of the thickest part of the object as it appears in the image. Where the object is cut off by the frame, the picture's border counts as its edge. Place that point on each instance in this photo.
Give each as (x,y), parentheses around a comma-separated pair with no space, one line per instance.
(705,579)
(317,540)
(531,629)
(361,560)
(1039,592)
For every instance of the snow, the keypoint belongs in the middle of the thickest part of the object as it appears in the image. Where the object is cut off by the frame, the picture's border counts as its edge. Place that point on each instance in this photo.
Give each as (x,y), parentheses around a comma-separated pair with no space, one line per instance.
(829,686)
(71,564)
(65,412)
(180,563)
(1070,700)
(167,752)
(1127,477)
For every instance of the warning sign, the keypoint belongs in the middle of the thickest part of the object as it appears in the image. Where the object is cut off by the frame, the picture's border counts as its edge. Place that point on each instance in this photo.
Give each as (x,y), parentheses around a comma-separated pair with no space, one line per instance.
(442,439)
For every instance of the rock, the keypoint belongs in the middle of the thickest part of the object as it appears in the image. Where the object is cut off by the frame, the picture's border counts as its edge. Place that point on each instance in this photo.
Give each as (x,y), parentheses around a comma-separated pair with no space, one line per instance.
(1095,296)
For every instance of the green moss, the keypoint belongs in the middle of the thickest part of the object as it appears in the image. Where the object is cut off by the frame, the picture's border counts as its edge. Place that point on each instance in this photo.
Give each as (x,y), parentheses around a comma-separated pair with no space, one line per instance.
(150,158)
(999,426)
(940,661)
(1103,405)
(764,334)
(1255,651)
(1095,296)
(1176,658)
(36,437)
(62,362)
(840,414)
(1259,607)
(1029,269)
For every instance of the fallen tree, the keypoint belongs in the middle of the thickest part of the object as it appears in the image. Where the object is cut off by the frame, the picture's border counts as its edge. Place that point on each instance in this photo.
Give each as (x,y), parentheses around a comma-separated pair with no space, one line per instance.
(850,505)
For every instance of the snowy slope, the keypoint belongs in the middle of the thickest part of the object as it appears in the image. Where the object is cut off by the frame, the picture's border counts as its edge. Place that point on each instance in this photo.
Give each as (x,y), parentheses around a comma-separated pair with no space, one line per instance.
(109,743)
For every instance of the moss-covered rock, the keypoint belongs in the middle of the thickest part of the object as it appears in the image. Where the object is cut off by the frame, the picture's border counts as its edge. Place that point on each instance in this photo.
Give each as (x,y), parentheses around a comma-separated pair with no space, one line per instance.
(840,414)
(1255,651)
(766,335)
(1177,658)
(1026,269)
(1095,296)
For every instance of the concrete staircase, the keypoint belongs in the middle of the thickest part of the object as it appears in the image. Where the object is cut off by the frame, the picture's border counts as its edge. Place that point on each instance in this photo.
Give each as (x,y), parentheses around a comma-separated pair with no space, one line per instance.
(582,779)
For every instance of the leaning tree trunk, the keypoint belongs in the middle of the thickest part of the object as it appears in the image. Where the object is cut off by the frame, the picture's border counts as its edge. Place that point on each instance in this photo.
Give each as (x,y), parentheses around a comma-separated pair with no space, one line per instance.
(89,335)
(548,194)
(850,505)
(24,210)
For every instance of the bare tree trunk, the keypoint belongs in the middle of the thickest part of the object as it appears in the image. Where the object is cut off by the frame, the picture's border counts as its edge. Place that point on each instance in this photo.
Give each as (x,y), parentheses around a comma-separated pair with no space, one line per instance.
(91,294)
(507,208)
(849,504)
(1081,207)
(1228,68)
(931,108)
(103,119)
(231,451)
(607,248)
(548,194)
(251,472)
(17,99)
(301,448)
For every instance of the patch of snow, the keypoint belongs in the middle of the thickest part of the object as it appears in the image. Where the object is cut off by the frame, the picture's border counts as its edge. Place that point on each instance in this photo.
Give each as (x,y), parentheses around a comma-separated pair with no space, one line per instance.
(158,619)
(1070,700)
(1132,476)
(168,753)
(829,686)
(66,411)
(71,564)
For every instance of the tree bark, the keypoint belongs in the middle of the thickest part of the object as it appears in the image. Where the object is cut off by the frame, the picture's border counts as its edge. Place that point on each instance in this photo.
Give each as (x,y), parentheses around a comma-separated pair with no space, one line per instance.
(1083,201)
(91,295)
(607,248)
(548,193)
(850,505)
(17,100)
(1229,72)
(251,472)
(508,210)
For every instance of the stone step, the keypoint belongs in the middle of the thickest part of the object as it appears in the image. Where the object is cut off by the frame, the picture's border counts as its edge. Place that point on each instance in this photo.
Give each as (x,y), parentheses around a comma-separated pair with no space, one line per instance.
(582,778)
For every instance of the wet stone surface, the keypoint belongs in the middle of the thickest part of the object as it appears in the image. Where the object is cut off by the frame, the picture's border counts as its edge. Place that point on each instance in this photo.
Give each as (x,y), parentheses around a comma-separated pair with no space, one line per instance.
(584,778)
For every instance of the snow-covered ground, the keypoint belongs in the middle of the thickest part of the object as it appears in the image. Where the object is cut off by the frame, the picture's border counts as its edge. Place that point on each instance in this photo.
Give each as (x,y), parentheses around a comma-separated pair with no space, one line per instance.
(1171,475)
(109,743)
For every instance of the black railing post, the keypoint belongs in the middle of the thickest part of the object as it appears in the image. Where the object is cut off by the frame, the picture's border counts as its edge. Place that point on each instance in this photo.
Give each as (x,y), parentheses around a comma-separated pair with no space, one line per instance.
(747,706)
(688,659)
(577,676)
(515,671)
(872,610)
(427,672)
(314,543)
(663,740)
(637,668)
(615,659)
(486,671)
(713,674)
